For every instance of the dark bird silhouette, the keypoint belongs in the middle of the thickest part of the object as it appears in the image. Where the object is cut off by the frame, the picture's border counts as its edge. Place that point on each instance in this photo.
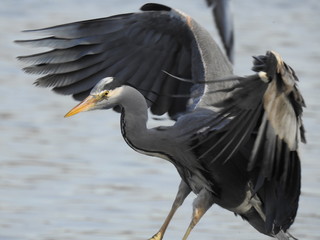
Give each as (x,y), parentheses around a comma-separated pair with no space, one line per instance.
(235,139)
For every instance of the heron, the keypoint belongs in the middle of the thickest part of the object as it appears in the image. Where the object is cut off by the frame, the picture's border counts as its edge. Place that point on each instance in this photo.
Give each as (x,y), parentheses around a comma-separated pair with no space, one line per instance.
(235,139)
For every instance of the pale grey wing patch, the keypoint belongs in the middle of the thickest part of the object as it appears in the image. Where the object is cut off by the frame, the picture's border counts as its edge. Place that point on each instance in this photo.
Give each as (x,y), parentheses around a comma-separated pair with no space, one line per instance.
(281,116)
(283,104)
(134,48)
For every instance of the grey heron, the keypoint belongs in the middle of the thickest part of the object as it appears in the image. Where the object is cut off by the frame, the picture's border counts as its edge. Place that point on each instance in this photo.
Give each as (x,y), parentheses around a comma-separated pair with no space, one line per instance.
(235,139)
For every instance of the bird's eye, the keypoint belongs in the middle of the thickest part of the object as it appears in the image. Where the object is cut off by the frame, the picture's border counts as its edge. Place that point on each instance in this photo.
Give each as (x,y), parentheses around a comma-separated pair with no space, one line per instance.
(105,93)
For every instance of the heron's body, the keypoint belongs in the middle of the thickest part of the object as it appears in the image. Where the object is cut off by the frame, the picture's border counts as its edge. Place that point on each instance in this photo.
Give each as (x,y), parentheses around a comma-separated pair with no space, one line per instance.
(228,184)
(234,142)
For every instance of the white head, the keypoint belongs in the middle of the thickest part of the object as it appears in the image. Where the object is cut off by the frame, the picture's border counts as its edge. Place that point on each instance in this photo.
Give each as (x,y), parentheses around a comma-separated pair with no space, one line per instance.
(103,96)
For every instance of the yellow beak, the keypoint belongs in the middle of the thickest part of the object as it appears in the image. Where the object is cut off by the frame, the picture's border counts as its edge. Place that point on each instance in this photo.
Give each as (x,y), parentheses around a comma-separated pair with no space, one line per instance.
(85,105)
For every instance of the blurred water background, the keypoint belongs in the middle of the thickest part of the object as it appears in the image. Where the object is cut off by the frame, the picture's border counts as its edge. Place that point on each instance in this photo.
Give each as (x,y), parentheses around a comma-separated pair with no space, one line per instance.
(75,179)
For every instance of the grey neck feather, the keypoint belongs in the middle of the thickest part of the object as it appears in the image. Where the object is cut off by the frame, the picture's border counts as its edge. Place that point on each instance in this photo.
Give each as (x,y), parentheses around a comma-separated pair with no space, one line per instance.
(134,129)
(158,143)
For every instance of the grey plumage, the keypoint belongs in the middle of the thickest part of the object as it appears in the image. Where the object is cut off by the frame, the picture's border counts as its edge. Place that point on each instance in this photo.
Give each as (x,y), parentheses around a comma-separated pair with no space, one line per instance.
(228,143)
(276,131)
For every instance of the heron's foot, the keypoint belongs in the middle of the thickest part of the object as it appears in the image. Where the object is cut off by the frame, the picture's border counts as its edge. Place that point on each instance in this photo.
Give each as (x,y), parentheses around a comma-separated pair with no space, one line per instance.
(157,236)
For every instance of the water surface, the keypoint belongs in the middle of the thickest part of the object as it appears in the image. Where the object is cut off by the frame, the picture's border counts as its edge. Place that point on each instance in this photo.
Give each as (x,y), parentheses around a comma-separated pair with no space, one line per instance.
(74,179)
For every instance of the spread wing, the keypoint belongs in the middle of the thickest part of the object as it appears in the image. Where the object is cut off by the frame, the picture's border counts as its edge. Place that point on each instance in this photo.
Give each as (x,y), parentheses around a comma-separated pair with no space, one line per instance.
(137,49)
(264,113)
(268,103)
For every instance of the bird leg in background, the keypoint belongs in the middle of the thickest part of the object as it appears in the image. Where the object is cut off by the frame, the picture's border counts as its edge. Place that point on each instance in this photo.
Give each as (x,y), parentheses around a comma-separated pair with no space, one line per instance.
(183,192)
(201,204)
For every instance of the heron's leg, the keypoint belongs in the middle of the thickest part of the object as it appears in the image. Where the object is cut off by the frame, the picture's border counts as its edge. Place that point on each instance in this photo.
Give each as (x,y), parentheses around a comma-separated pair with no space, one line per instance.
(201,204)
(183,192)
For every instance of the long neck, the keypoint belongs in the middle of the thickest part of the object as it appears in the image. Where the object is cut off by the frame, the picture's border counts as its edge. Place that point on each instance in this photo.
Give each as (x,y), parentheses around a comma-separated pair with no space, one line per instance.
(134,117)
(134,129)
